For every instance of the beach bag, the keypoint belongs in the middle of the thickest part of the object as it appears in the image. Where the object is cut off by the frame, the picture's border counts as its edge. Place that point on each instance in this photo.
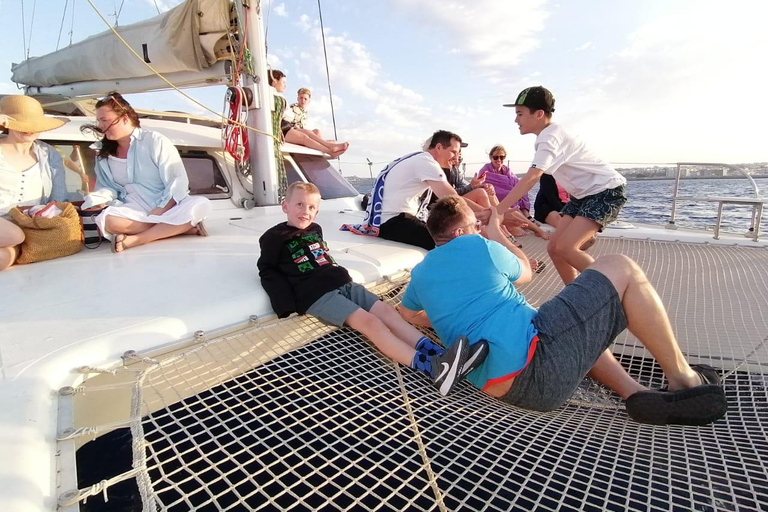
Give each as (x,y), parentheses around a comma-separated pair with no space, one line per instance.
(46,239)
(91,236)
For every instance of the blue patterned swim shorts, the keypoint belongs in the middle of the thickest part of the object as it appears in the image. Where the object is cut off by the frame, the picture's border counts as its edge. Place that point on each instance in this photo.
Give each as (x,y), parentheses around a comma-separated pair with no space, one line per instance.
(603,207)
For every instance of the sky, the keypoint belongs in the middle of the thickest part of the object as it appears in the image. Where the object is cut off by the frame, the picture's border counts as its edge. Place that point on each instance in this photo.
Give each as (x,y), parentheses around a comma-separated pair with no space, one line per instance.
(642,82)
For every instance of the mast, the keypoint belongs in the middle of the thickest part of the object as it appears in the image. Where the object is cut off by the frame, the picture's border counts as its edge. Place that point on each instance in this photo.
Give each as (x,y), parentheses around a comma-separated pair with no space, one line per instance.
(262,147)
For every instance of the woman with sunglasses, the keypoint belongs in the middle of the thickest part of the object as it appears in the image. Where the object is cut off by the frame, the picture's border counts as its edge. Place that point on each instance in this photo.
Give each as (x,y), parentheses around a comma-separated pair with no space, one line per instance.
(503,180)
(500,180)
(142,180)
(31,172)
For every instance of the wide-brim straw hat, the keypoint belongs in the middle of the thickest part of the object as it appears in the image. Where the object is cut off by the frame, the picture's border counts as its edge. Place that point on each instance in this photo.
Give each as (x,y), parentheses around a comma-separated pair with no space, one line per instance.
(26,115)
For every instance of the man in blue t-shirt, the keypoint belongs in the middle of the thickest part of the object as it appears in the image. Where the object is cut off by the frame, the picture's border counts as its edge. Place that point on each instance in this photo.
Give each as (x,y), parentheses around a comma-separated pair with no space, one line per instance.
(538,358)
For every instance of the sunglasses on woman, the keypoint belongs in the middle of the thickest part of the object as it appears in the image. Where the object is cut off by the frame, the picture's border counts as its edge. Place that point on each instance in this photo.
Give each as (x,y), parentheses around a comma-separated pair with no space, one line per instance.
(499,157)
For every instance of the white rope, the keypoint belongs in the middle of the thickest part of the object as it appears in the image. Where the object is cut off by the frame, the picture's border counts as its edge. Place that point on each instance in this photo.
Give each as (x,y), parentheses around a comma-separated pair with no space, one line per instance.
(72,497)
(420,442)
(96,369)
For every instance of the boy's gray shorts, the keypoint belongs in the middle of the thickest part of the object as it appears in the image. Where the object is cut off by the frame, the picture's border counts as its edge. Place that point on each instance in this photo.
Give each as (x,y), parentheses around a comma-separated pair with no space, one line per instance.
(335,306)
(575,327)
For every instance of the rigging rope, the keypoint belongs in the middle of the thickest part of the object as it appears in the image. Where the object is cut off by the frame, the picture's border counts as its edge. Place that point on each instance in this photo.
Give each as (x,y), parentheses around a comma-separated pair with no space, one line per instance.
(27,43)
(235,137)
(168,82)
(72,23)
(61,26)
(117,14)
(327,73)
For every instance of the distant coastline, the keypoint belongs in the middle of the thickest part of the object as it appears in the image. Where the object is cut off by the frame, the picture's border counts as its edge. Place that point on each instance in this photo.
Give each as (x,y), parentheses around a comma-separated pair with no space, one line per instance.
(363,182)
(660,178)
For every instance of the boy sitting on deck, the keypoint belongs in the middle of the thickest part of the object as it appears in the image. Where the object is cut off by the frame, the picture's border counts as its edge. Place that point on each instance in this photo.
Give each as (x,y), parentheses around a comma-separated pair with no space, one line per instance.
(300,276)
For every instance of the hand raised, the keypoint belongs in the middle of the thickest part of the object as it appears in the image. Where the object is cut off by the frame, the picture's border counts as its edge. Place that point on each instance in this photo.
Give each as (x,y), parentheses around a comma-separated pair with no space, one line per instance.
(477,180)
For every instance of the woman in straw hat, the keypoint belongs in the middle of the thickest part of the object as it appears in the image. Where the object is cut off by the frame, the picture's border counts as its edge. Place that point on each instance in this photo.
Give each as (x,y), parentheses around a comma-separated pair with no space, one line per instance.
(140,176)
(31,172)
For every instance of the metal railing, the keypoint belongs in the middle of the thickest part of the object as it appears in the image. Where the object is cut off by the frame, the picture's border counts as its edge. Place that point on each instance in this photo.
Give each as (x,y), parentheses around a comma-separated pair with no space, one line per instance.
(756,202)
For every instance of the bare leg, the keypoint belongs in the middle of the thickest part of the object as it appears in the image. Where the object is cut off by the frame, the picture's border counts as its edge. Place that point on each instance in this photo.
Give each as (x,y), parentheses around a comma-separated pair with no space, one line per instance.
(11,236)
(564,246)
(156,232)
(647,319)
(534,227)
(395,323)
(375,330)
(479,196)
(121,226)
(609,372)
(552,219)
(8,256)
(310,140)
(514,223)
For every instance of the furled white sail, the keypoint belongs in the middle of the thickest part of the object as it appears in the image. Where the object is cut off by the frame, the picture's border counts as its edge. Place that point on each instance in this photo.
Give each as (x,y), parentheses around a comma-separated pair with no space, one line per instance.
(188,37)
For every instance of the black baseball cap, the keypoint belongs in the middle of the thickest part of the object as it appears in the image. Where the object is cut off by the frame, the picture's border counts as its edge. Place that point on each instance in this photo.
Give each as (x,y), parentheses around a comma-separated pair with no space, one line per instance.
(535,98)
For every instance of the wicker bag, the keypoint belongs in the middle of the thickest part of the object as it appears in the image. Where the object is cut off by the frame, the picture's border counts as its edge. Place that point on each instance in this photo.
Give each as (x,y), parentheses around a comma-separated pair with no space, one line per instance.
(46,239)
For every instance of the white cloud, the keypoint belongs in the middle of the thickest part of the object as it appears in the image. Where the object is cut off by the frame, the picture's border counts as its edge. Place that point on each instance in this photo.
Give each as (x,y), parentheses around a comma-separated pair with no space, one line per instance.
(280,10)
(493,35)
(274,61)
(354,70)
(686,86)
(585,46)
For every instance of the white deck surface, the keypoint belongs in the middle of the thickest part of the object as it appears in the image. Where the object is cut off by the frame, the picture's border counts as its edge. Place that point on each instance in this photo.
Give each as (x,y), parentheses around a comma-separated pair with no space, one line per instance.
(91,307)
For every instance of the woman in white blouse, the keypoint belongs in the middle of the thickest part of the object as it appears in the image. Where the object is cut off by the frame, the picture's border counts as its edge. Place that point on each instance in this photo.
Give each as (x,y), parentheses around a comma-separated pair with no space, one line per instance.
(31,172)
(142,180)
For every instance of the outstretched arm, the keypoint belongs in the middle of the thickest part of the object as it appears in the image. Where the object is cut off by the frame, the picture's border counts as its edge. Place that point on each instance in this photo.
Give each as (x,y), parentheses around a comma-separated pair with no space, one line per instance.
(496,234)
(521,189)
(441,188)
(418,318)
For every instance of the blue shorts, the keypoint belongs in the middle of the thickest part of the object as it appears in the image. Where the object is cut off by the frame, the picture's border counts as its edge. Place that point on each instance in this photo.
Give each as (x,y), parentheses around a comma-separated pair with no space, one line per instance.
(603,207)
(335,306)
(575,327)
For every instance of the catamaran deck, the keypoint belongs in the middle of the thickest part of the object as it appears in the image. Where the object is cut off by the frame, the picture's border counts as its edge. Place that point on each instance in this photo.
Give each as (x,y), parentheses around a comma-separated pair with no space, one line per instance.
(291,415)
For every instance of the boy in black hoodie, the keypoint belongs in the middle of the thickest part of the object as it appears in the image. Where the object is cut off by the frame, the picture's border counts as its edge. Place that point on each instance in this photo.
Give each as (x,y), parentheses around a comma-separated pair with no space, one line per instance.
(299,275)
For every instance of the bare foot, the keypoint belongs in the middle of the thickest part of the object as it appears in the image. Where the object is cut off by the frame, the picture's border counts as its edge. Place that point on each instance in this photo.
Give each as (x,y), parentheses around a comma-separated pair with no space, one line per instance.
(339,149)
(541,233)
(518,232)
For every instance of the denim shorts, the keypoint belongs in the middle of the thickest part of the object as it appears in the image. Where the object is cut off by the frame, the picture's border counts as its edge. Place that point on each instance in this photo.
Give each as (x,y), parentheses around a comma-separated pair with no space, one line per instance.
(603,207)
(335,306)
(575,327)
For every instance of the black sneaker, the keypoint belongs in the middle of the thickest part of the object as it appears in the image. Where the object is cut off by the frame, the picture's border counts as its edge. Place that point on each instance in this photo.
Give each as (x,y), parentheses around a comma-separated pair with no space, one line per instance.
(700,405)
(446,368)
(477,354)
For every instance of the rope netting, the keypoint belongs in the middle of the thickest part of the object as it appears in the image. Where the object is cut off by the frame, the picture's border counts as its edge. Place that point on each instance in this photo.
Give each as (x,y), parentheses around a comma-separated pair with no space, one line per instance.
(293,415)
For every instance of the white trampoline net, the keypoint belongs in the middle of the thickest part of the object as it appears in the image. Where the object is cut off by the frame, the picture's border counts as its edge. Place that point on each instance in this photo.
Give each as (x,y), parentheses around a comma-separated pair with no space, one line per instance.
(293,415)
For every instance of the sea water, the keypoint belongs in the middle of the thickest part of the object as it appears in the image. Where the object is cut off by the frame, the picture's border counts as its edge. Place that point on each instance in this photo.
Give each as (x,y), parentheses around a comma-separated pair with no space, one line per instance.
(650,201)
